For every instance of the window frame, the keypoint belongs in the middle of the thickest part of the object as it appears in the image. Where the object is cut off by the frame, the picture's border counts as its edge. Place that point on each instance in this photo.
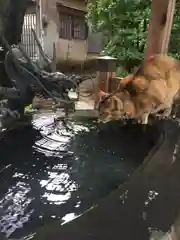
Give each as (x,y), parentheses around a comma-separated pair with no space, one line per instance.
(70,31)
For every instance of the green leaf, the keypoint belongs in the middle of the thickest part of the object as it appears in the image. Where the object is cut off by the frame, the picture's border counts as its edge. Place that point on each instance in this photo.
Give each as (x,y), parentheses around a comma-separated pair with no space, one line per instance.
(125,25)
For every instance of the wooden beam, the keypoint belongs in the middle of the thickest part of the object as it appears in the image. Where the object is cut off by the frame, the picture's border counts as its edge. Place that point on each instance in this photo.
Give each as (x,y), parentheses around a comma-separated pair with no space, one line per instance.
(168,27)
(160,25)
(63,9)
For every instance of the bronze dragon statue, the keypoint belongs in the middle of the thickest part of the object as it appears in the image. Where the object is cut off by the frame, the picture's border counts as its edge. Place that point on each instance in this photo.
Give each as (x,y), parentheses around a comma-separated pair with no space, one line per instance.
(28,80)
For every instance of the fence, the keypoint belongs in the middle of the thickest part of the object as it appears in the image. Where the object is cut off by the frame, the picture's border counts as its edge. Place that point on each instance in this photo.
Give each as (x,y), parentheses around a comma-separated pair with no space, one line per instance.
(28,40)
(31,21)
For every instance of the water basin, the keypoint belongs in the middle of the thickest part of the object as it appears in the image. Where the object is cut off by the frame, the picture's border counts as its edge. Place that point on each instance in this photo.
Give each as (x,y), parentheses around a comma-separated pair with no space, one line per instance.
(50,173)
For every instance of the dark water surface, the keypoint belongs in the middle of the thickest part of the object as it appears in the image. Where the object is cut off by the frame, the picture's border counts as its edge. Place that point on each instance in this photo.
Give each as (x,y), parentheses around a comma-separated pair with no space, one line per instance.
(55,174)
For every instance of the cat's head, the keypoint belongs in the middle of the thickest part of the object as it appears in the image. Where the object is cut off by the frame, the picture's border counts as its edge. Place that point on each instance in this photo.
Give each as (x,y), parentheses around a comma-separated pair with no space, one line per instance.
(115,106)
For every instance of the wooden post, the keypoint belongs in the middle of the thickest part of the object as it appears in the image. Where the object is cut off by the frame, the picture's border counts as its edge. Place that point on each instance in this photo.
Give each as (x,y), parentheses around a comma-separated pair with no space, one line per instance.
(54,60)
(106,72)
(161,20)
(168,27)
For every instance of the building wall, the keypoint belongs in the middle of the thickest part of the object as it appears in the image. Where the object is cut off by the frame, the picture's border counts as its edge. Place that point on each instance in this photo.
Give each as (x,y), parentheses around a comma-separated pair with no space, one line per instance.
(50,35)
(74,50)
(66,50)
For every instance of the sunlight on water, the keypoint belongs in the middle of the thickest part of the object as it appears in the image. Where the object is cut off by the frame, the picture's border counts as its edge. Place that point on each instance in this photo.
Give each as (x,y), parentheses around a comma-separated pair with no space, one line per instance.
(69,217)
(15,214)
(60,183)
(57,185)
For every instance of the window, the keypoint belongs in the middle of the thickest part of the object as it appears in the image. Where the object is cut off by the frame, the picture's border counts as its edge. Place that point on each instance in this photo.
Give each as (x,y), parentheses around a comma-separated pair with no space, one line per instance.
(65,26)
(72,27)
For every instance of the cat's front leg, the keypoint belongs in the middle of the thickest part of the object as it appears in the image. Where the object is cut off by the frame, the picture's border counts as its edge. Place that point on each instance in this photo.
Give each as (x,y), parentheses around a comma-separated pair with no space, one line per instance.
(167,112)
(144,118)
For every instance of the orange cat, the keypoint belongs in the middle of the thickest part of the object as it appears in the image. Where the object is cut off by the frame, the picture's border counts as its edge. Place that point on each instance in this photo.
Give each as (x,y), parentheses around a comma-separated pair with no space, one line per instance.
(153,87)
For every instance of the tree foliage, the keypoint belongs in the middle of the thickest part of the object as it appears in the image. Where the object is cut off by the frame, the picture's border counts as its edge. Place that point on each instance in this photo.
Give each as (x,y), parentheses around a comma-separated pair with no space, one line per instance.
(174,45)
(124,24)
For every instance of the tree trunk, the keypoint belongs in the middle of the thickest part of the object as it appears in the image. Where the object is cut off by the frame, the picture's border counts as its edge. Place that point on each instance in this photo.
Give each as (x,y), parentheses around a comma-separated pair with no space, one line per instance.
(11,21)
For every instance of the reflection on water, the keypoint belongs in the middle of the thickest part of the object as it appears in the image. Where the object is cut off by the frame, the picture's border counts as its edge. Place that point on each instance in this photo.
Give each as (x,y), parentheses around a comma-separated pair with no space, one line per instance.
(58,174)
(156,234)
(151,195)
(16,201)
